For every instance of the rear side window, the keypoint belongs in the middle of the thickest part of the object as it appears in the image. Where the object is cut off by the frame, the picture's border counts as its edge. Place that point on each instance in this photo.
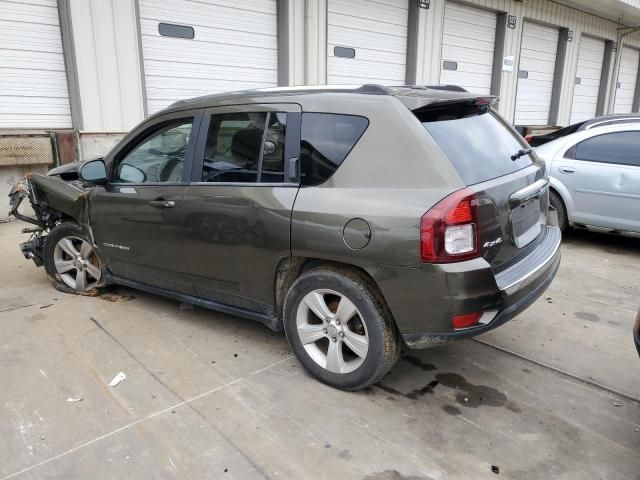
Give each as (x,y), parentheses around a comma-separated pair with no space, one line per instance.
(620,148)
(325,141)
(238,150)
(477,144)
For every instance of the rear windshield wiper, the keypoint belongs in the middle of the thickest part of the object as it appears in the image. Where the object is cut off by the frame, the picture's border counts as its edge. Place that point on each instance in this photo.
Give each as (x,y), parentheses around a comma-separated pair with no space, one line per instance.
(520,153)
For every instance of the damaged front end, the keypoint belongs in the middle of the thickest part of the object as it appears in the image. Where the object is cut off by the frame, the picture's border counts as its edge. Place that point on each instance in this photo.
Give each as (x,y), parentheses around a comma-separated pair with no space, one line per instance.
(53,201)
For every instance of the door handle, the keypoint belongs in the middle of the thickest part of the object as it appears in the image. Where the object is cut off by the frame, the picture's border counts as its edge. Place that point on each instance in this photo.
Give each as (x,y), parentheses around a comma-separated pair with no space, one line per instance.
(162,203)
(567,170)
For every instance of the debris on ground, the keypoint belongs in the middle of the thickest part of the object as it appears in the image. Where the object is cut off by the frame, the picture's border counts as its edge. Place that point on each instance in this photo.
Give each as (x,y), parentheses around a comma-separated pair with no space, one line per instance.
(549,299)
(495,469)
(617,404)
(73,400)
(117,379)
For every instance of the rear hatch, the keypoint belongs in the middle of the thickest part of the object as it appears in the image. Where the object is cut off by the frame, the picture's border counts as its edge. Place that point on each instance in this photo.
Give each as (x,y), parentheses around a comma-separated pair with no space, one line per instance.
(493,161)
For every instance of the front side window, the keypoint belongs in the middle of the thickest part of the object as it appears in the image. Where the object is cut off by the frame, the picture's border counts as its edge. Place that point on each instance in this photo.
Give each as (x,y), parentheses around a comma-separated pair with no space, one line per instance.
(619,147)
(158,159)
(325,141)
(239,150)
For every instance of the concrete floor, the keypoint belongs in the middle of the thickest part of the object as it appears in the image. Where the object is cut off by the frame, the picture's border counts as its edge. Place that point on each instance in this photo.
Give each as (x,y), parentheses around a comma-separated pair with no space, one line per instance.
(212,396)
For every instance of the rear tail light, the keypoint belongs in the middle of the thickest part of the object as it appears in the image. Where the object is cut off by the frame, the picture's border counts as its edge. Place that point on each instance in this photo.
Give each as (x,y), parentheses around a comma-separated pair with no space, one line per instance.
(449,230)
(466,320)
(527,138)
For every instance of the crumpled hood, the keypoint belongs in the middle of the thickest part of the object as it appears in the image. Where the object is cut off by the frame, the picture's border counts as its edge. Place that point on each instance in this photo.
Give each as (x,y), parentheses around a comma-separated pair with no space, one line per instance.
(68,168)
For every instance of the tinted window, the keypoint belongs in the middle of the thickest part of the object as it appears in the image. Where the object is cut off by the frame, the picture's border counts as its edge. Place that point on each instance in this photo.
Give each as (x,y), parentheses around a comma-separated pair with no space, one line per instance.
(620,147)
(237,150)
(325,141)
(477,144)
(159,158)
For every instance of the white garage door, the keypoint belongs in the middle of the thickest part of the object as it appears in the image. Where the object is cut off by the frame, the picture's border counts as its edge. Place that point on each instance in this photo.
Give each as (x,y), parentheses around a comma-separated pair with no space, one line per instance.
(234,46)
(367,41)
(468,41)
(587,88)
(627,80)
(535,74)
(33,82)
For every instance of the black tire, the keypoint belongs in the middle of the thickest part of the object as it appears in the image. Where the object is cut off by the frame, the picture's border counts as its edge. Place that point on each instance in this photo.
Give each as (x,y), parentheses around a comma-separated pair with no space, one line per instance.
(383,340)
(70,229)
(558,204)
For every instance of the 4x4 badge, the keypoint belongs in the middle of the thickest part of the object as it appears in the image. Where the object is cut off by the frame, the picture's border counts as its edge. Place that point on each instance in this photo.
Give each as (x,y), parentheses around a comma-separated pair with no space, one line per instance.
(495,242)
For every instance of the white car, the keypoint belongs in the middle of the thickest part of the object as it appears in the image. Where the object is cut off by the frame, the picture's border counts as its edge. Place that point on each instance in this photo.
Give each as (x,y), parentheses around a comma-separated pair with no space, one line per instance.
(595,178)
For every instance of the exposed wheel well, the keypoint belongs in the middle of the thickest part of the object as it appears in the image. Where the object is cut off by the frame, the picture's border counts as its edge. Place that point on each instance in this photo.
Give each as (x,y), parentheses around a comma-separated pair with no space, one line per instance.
(291,268)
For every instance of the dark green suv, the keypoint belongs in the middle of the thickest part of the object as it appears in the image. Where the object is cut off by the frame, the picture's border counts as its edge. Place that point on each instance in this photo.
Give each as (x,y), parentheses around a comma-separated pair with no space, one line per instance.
(356,219)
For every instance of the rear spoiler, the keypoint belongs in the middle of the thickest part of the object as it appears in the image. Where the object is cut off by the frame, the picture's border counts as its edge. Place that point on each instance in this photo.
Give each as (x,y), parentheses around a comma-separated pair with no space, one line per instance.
(416,103)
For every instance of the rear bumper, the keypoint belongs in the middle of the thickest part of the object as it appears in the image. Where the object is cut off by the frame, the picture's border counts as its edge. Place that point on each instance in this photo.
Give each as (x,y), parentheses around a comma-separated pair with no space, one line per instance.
(443,291)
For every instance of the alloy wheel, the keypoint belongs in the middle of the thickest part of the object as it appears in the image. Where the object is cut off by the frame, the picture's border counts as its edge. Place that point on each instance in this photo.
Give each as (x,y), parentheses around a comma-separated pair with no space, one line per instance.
(76,263)
(332,331)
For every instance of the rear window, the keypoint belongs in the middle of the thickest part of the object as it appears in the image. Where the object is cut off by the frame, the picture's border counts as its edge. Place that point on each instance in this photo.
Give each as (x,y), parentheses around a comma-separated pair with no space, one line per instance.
(325,141)
(477,144)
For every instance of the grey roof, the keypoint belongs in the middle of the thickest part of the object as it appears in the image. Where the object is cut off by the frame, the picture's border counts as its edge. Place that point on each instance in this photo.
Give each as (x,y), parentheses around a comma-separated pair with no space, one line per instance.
(411,95)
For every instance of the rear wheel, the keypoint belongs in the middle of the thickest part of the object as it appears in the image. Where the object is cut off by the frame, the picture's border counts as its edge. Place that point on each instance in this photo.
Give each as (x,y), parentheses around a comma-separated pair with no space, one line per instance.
(558,204)
(339,329)
(70,259)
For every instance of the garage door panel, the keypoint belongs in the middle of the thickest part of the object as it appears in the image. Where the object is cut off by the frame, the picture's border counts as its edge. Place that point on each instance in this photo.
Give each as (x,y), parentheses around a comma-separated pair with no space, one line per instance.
(45,14)
(165,72)
(468,39)
(231,55)
(468,14)
(197,15)
(364,70)
(460,42)
(380,57)
(364,25)
(483,30)
(470,68)
(538,58)
(391,12)
(234,47)
(232,7)
(589,70)
(627,79)
(44,38)
(211,35)
(53,83)
(366,40)
(33,80)
(471,81)
(377,31)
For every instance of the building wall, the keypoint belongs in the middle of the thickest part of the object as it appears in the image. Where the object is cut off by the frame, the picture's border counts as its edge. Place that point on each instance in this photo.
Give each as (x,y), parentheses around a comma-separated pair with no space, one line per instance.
(551,13)
(107,61)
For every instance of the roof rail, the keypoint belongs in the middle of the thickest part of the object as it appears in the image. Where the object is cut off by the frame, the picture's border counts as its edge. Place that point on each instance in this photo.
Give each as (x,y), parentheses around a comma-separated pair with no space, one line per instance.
(373,88)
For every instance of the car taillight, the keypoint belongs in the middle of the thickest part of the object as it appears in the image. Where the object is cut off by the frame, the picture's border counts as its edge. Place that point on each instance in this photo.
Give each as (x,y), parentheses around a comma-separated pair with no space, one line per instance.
(449,230)
(527,138)
(466,320)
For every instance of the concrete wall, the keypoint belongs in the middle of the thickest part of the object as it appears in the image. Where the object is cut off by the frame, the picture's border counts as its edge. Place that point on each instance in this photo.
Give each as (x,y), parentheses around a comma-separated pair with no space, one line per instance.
(107,62)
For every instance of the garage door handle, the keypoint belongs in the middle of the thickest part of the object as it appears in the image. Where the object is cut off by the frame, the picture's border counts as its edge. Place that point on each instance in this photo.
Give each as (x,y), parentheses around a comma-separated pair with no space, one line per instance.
(162,203)
(567,170)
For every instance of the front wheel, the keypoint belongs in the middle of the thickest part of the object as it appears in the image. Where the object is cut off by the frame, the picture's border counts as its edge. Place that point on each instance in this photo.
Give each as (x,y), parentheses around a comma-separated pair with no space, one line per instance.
(71,261)
(339,328)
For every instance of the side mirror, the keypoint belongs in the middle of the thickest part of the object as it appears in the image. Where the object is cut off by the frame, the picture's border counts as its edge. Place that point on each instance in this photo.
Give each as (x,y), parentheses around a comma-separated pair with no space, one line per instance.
(94,171)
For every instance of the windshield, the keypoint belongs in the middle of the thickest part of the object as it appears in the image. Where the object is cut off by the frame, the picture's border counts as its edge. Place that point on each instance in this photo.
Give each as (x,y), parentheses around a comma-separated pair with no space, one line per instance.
(477,144)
